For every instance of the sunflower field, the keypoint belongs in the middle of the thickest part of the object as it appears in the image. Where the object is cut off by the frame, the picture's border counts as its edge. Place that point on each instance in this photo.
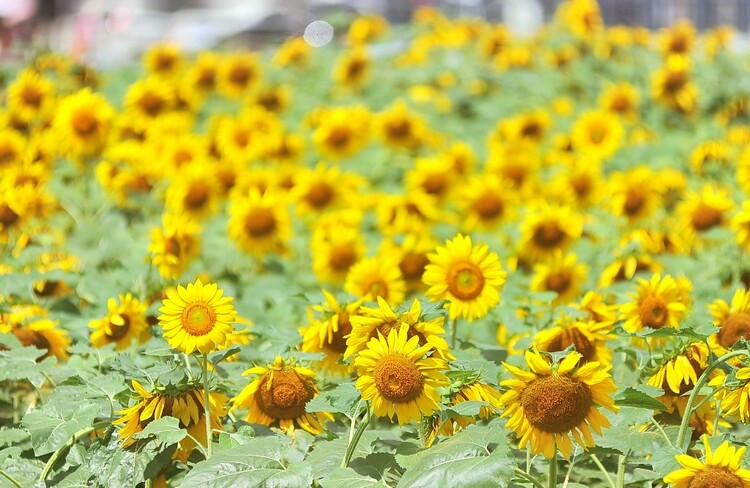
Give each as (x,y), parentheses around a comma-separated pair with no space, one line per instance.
(425,255)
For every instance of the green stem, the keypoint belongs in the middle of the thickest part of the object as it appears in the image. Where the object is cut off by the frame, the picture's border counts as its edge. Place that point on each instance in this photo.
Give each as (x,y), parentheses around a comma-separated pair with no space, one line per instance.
(528,458)
(187,366)
(63,449)
(12,480)
(207,406)
(529,478)
(552,477)
(601,467)
(621,462)
(693,394)
(454,332)
(661,431)
(354,421)
(357,436)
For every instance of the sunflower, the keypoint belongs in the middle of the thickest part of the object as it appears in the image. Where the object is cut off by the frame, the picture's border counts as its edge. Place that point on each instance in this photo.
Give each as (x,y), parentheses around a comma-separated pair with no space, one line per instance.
(582,17)
(324,188)
(472,391)
(597,135)
(552,402)
(295,52)
(678,38)
(149,98)
(679,370)
(704,210)
(733,321)
(560,274)
(394,374)
(410,252)
(82,123)
(30,96)
(433,176)
(238,73)
(516,164)
(163,59)
(715,152)
(274,98)
(260,224)
(123,323)
(720,468)
(337,244)
(328,330)
(186,406)
(589,338)
(352,69)
(578,185)
(671,85)
(174,245)
(279,393)
(32,328)
(342,131)
(620,99)
(197,317)
(734,402)
(740,224)
(366,28)
(371,278)
(656,304)
(368,322)
(469,277)
(203,73)
(485,201)
(634,194)
(597,310)
(462,157)
(194,191)
(400,128)
(624,268)
(548,229)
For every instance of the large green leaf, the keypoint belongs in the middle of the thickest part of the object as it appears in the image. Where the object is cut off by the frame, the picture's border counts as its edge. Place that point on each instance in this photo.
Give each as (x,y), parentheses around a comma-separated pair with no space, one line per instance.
(54,424)
(165,429)
(348,478)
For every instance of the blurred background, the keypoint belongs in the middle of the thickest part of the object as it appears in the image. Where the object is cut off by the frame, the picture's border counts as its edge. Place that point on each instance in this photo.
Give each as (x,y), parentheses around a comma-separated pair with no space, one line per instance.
(106,33)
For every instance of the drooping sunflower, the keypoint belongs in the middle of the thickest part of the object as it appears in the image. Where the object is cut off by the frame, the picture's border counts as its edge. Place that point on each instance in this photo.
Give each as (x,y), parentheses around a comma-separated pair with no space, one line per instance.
(735,401)
(469,277)
(472,391)
(187,406)
(548,229)
(125,322)
(589,338)
(32,328)
(82,122)
(371,278)
(548,404)
(561,274)
(656,303)
(678,371)
(260,224)
(279,394)
(720,468)
(732,319)
(397,378)
(197,318)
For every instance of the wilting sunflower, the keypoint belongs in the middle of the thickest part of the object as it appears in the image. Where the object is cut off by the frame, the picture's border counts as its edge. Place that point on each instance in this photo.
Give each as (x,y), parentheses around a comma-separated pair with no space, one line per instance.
(735,401)
(548,229)
(82,123)
(197,318)
(328,330)
(124,323)
(260,224)
(472,391)
(187,406)
(374,277)
(732,319)
(562,275)
(552,402)
(469,276)
(398,379)
(721,468)
(588,337)
(279,394)
(370,321)
(656,303)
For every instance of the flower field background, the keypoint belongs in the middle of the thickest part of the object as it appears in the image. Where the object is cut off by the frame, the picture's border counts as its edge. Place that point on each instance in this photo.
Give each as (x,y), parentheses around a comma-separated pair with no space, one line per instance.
(424,255)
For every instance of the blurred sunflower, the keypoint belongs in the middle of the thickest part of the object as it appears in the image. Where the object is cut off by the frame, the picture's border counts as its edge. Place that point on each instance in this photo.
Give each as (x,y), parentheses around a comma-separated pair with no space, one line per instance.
(174,245)
(31,96)
(634,193)
(734,402)
(82,123)
(194,191)
(238,73)
(394,374)
(401,128)
(197,318)
(371,278)
(149,98)
(469,277)
(671,85)
(733,321)
(337,244)
(740,224)
(203,73)
(124,323)
(410,252)
(620,99)
(704,210)
(164,59)
(260,223)
(32,328)
(342,131)
(352,69)
(597,135)
(548,229)
(279,394)
(485,201)
(678,371)
(561,274)
(324,188)
(294,52)
(433,176)
(656,304)
(719,468)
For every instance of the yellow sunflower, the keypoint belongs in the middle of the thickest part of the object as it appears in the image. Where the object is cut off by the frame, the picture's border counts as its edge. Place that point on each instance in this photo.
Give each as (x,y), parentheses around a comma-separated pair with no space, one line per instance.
(597,135)
(547,229)
(485,201)
(582,17)
(634,194)
(735,401)
(294,52)
(149,98)
(174,245)
(342,131)
(656,304)
(671,84)
(203,73)
(469,277)
(473,391)
(434,176)
(260,224)
(238,73)
(82,123)
(194,191)
(36,330)
(548,404)
(337,244)
(597,309)
(279,394)
(720,468)
(410,252)
(560,274)
(398,379)
(125,322)
(163,59)
(401,128)
(621,99)
(324,188)
(589,338)
(374,277)
(733,321)
(186,406)
(197,318)
(30,96)
(12,149)
(678,371)
(741,225)
(678,38)
(704,210)
(352,69)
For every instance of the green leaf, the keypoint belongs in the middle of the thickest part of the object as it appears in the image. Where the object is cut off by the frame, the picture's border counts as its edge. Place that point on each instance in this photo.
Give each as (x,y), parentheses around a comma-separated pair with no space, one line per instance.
(342,399)
(20,363)
(348,478)
(165,429)
(260,462)
(477,456)
(114,466)
(220,356)
(375,465)
(53,425)
(469,408)
(638,398)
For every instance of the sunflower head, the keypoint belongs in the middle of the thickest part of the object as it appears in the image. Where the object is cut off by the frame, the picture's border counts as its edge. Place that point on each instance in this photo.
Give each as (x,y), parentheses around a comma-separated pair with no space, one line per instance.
(720,468)
(125,321)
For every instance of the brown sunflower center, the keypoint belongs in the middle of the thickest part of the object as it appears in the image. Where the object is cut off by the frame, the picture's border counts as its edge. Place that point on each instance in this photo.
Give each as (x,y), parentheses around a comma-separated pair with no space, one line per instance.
(206,79)
(240,75)
(465,280)
(84,123)
(715,477)
(597,134)
(8,154)
(319,195)
(488,206)
(620,104)
(284,395)
(532,130)
(356,69)
(548,235)
(675,80)
(31,96)
(339,137)
(164,62)
(398,379)
(735,326)
(198,319)
(342,257)
(412,265)
(7,216)
(151,103)
(556,403)
(435,184)
(704,217)
(653,312)
(581,185)
(634,201)
(559,282)
(28,337)
(260,223)
(399,129)
(573,336)
(270,101)
(197,196)
(338,339)
(120,331)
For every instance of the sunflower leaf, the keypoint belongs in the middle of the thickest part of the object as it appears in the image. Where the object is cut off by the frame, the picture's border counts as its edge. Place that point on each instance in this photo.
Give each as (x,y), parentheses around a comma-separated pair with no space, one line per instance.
(641,396)
(165,429)
(54,424)
(348,478)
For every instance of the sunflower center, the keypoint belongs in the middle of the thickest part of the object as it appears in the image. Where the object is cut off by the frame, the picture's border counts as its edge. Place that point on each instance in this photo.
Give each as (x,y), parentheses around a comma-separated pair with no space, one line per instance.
(207,79)
(556,403)
(283,394)
(356,69)
(653,312)
(165,62)
(29,337)
(398,379)
(339,137)
(31,96)
(7,216)
(488,206)
(84,123)
(120,331)
(465,281)
(559,282)
(412,265)
(531,130)
(715,477)
(399,129)
(319,195)
(704,217)
(434,184)
(581,186)
(197,196)
(376,287)
(735,326)
(597,134)
(338,339)
(342,257)
(260,223)
(198,319)
(239,75)
(8,154)
(634,201)
(151,103)
(573,336)
(548,235)
(675,81)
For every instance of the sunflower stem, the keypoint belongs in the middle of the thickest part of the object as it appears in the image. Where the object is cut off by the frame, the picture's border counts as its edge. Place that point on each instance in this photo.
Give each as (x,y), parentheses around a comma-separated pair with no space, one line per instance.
(621,462)
(357,436)
(694,394)
(552,477)
(11,479)
(454,332)
(207,406)
(523,474)
(661,431)
(63,449)
(601,467)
